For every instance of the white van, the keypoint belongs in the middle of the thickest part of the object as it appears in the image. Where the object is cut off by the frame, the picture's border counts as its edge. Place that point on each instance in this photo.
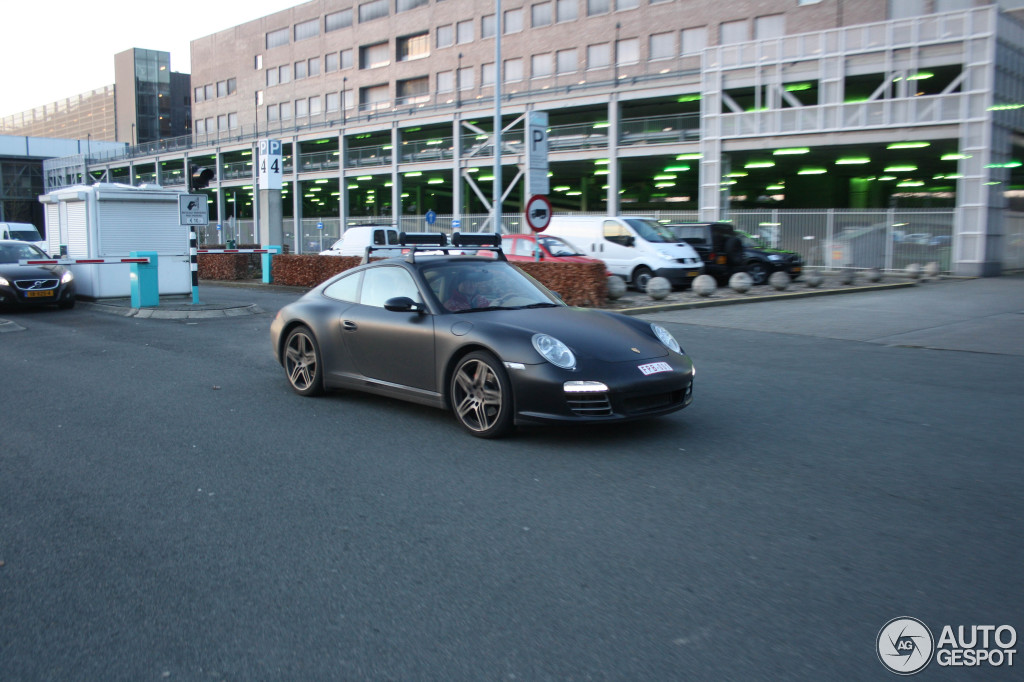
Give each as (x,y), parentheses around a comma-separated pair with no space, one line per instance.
(23,232)
(355,239)
(636,249)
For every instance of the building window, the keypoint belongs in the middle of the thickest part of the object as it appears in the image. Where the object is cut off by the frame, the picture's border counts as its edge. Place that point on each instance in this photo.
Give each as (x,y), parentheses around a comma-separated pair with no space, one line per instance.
(513,70)
(445,81)
(258,62)
(566,10)
(200,127)
(599,56)
(466,78)
(413,47)
(232,86)
(286,111)
(733,32)
(300,70)
(368,11)
(404,5)
(662,46)
(487,26)
(222,123)
(222,89)
(905,9)
(199,94)
(627,52)
(259,98)
(771,26)
(374,97)
(314,106)
(464,32)
(346,58)
(693,40)
(333,101)
(233,121)
(595,7)
(540,14)
(487,75)
(272,77)
(209,91)
(542,65)
(272,113)
(336,20)
(307,29)
(277,38)
(567,61)
(513,21)
(445,35)
(626,4)
(413,90)
(313,67)
(331,62)
(373,56)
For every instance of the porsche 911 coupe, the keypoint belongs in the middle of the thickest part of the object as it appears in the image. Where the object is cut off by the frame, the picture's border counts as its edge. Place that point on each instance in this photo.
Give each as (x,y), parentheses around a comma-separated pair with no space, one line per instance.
(477,336)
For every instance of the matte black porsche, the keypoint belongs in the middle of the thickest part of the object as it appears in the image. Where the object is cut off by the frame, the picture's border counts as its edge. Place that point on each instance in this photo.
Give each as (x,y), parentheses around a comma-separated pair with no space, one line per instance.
(478,336)
(32,285)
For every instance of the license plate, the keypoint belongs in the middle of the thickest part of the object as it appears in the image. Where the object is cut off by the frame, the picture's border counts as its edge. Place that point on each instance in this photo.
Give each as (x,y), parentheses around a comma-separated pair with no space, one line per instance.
(693,273)
(796,269)
(38,294)
(654,367)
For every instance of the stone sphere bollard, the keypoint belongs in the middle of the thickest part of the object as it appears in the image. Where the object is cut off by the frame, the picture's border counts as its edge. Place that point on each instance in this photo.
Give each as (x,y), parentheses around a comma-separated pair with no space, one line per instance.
(874,275)
(813,279)
(741,282)
(616,287)
(914,271)
(779,281)
(847,276)
(704,285)
(931,270)
(658,288)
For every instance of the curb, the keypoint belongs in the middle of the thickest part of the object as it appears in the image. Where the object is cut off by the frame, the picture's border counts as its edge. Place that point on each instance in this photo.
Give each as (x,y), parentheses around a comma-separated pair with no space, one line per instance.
(169,314)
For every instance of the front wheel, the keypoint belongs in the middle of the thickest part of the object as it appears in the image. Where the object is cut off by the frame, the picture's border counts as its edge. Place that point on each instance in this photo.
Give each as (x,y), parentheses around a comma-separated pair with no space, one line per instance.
(642,277)
(302,362)
(481,395)
(758,272)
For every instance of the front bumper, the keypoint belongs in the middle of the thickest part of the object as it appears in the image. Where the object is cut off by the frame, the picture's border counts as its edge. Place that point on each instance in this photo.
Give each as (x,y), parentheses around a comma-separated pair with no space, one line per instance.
(541,396)
(62,293)
(679,276)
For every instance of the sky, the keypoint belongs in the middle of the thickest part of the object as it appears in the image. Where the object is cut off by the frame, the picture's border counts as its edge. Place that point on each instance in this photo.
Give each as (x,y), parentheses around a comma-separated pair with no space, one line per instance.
(53,49)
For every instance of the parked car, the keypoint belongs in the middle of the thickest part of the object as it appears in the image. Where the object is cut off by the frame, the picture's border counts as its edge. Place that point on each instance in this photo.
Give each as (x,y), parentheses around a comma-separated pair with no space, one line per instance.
(355,239)
(718,244)
(476,336)
(22,232)
(524,247)
(32,285)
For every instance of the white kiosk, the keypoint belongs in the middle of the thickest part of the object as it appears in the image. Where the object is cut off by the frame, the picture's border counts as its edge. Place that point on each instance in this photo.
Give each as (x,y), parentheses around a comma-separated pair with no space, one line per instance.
(110,220)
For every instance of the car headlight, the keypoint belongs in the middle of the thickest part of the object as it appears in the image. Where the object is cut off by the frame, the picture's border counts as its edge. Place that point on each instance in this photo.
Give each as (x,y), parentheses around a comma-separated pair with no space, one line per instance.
(4,282)
(774,257)
(666,338)
(66,277)
(554,351)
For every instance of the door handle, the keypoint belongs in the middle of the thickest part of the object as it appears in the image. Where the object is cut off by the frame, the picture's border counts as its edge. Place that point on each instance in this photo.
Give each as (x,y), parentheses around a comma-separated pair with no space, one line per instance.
(349,326)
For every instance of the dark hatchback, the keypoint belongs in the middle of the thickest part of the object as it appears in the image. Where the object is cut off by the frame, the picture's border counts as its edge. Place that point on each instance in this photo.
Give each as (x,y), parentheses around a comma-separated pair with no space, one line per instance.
(32,285)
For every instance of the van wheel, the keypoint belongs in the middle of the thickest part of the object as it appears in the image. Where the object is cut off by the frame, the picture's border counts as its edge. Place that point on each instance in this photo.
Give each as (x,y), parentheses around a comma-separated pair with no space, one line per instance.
(641,278)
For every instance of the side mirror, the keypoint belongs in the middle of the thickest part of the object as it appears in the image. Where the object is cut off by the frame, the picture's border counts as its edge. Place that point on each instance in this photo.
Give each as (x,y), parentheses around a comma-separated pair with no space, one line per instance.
(630,241)
(402,304)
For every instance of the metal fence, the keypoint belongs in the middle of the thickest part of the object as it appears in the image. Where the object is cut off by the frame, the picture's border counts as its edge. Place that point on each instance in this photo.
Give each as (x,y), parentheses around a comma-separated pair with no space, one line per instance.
(827,238)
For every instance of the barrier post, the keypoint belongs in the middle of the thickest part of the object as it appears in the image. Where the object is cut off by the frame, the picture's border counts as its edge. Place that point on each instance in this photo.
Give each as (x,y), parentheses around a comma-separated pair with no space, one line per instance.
(145,287)
(193,250)
(267,260)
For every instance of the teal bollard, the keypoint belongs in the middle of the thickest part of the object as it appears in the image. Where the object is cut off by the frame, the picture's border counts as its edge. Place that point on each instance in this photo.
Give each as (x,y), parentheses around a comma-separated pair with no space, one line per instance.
(267,259)
(145,285)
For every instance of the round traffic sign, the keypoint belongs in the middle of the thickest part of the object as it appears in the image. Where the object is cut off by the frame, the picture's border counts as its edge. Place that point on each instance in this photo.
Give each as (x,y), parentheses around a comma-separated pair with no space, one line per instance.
(538,212)
(431,217)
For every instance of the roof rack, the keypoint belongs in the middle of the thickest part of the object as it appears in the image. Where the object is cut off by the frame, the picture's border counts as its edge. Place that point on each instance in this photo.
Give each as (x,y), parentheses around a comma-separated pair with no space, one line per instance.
(425,243)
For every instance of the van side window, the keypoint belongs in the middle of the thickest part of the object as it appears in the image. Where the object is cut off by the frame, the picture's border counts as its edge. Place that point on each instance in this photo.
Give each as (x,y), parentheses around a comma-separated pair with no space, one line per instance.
(614,231)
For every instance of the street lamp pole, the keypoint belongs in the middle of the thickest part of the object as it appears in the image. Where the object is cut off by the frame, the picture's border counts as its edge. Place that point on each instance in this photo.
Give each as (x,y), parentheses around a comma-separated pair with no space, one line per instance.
(496,185)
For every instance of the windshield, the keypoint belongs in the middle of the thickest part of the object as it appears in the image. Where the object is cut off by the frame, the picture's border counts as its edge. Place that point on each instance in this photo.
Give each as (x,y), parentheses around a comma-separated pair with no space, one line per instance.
(559,247)
(25,234)
(751,240)
(651,230)
(475,285)
(12,253)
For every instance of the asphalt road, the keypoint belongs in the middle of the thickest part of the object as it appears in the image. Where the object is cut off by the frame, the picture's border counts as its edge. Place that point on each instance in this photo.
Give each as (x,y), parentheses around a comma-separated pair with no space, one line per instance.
(169,509)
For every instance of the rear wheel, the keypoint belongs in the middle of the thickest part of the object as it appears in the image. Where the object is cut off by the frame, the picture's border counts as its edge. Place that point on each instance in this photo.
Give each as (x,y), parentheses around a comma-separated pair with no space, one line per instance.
(481,395)
(642,277)
(302,362)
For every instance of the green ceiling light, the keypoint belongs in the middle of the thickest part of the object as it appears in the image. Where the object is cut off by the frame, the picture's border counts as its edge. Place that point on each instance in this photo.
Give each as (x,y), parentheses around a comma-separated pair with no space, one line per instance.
(954,157)
(602,162)
(1005,107)
(472,170)
(413,174)
(901,169)
(852,160)
(664,176)
(560,188)
(886,178)
(663,185)
(734,174)
(321,141)
(315,189)
(856,100)
(689,156)
(601,171)
(389,184)
(573,194)
(676,169)
(602,124)
(759,164)
(799,87)
(920,76)
(775,187)
(910,183)
(791,150)
(322,181)
(364,178)
(353,186)
(688,98)
(486,178)
(435,181)
(908,145)
(1008,164)
(435,141)
(812,171)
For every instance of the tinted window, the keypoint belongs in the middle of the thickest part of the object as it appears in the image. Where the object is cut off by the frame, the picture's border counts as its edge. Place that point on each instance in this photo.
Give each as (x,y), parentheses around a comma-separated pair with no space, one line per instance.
(345,289)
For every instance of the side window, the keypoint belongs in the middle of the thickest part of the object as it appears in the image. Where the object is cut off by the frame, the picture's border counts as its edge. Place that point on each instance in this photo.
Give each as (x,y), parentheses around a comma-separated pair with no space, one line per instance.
(380,284)
(614,231)
(345,289)
(524,247)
